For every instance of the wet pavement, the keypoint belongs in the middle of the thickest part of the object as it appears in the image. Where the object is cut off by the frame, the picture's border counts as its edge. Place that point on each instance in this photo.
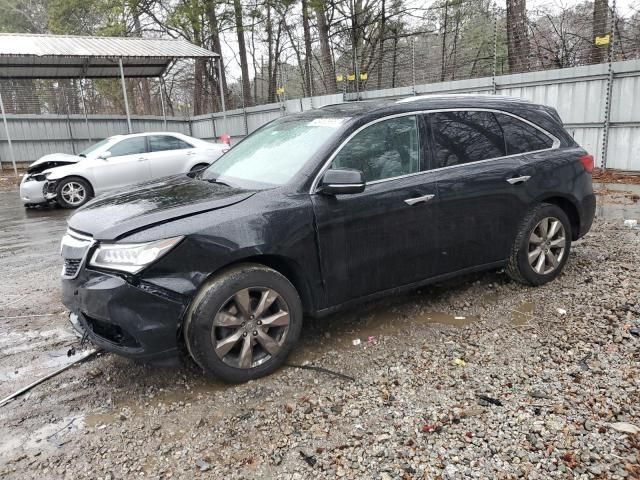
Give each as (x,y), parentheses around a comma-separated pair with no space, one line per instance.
(35,337)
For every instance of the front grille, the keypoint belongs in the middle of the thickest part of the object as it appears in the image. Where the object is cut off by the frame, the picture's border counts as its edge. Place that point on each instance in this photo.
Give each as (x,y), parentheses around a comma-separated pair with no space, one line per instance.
(71,267)
(74,249)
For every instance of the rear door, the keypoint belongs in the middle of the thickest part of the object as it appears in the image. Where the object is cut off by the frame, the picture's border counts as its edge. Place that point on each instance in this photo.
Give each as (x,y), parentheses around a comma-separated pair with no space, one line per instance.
(381,238)
(126,165)
(168,155)
(481,204)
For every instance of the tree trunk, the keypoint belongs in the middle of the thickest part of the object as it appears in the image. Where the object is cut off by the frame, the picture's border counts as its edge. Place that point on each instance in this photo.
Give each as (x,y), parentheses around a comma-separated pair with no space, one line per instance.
(600,29)
(517,36)
(307,48)
(381,51)
(198,86)
(144,83)
(328,71)
(215,40)
(444,41)
(242,50)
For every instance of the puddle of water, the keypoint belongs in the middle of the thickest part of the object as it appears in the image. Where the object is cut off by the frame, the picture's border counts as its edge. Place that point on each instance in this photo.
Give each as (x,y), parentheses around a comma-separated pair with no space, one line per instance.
(337,332)
(523,313)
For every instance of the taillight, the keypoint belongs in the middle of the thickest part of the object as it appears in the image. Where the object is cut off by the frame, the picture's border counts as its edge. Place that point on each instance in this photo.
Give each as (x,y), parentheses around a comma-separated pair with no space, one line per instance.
(587,162)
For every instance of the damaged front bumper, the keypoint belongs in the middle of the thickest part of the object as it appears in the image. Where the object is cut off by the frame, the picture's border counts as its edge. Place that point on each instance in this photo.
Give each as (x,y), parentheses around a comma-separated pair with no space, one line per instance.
(32,191)
(138,321)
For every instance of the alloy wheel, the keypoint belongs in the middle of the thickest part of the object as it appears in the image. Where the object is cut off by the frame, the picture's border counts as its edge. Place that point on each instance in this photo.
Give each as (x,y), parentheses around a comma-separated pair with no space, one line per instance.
(547,244)
(251,327)
(73,193)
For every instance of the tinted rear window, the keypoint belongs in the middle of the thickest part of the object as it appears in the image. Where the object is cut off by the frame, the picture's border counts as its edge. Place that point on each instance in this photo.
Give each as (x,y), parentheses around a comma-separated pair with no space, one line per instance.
(463,137)
(520,137)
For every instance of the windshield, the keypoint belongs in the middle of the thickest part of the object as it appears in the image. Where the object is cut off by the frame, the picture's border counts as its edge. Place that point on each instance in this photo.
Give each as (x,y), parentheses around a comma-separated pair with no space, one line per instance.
(93,148)
(274,154)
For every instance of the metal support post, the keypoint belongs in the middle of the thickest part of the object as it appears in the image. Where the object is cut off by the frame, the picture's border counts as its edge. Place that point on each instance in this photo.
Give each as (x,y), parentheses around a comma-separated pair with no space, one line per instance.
(124,94)
(222,103)
(84,110)
(164,112)
(6,129)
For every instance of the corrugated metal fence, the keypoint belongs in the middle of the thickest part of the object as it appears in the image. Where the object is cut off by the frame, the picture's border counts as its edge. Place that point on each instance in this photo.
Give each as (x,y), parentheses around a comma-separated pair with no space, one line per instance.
(579,94)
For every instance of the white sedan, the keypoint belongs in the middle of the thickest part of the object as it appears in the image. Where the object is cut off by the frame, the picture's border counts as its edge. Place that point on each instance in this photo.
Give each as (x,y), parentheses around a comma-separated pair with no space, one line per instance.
(113,163)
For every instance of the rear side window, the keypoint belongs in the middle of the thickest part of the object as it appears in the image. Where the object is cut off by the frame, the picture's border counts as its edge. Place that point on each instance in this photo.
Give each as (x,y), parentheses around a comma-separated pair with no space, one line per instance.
(160,143)
(463,137)
(129,146)
(520,137)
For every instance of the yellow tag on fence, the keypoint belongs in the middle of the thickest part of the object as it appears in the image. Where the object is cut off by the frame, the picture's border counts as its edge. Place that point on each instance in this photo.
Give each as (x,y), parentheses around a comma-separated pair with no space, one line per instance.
(280,90)
(364,76)
(351,77)
(604,40)
(339,78)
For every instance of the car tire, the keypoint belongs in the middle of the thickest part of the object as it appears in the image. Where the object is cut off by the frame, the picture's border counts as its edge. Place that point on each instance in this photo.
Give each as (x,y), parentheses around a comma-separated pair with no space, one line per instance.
(198,167)
(541,247)
(73,192)
(226,331)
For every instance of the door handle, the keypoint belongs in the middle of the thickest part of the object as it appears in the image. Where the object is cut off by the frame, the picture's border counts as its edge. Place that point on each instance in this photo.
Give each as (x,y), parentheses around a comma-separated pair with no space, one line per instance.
(518,180)
(413,201)
(141,159)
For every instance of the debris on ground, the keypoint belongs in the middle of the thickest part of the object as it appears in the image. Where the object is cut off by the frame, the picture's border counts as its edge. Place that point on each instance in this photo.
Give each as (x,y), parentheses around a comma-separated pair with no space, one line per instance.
(489,400)
(625,427)
(356,342)
(561,311)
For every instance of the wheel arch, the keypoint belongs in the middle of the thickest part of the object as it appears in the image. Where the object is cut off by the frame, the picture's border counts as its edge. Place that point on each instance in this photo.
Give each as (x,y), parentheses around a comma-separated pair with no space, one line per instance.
(286,266)
(570,208)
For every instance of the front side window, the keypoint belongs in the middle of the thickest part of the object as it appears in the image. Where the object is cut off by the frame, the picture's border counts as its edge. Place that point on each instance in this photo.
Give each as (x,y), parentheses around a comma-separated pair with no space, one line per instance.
(520,137)
(386,149)
(160,143)
(274,154)
(465,136)
(128,146)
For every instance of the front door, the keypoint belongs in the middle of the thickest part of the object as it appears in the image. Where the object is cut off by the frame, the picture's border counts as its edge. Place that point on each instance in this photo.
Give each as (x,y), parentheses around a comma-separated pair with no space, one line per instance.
(383,237)
(127,164)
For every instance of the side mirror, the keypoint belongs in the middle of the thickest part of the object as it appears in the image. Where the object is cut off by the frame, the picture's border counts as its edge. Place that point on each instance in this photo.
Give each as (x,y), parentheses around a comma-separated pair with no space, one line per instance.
(342,181)
(105,155)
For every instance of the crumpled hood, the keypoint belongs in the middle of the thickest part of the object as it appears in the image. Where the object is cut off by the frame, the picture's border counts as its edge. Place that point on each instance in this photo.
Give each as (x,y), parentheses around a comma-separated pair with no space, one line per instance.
(53,160)
(111,216)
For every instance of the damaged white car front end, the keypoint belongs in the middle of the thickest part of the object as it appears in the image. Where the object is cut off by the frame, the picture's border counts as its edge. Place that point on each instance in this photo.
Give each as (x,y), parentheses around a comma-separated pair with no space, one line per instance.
(34,182)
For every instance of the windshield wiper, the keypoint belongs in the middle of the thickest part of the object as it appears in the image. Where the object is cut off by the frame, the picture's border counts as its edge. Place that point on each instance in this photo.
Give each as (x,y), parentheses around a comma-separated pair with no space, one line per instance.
(215,180)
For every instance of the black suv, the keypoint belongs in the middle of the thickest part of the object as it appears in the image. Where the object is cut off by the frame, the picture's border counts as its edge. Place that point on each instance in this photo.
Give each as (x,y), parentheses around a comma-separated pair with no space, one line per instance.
(319,210)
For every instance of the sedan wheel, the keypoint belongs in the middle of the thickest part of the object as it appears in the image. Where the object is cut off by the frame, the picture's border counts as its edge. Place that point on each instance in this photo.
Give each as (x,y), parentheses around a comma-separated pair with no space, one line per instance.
(251,327)
(243,323)
(73,192)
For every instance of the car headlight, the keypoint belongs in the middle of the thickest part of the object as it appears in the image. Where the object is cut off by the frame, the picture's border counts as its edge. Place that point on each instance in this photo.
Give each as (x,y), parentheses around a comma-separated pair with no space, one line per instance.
(131,257)
(41,177)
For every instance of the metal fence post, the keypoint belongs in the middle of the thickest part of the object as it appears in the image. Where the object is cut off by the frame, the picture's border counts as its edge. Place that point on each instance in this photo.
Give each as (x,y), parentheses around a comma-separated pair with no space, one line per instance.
(609,88)
(413,63)
(495,51)
(6,129)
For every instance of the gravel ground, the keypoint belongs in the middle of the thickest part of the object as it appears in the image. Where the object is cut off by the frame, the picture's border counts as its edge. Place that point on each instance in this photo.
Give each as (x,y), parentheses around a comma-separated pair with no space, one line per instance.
(556,366)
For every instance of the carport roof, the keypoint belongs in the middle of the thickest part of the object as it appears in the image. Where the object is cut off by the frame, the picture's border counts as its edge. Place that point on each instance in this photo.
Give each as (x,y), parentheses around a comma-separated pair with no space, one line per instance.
(67,56)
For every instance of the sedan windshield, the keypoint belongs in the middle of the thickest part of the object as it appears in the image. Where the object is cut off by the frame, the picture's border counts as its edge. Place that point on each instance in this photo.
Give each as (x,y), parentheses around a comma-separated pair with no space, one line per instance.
(274,154)
(93,148)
